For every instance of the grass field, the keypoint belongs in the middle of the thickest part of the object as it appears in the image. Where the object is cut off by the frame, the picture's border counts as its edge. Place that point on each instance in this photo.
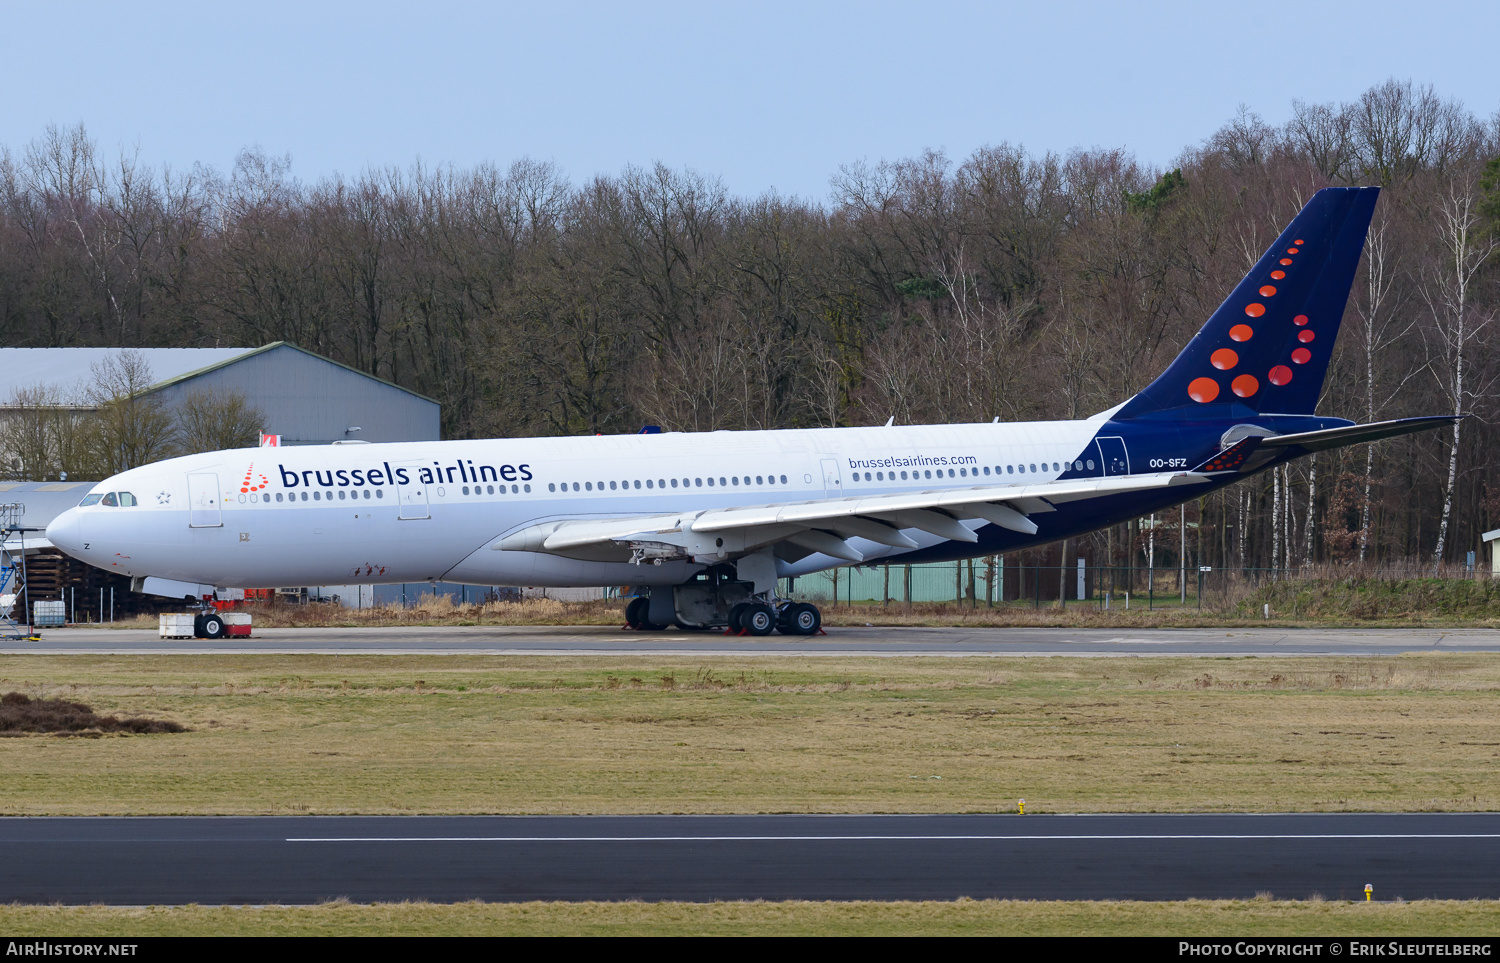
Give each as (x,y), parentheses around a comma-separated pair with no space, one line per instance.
(462,734)
(960,918)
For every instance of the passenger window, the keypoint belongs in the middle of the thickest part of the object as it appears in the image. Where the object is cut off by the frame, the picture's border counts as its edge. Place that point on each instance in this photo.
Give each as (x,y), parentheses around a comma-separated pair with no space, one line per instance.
(710,483)
(611,486)
(674,483)
(736,481)
(380,493)
(758,480)
(1090,464)
(637,483)
(575,486)
(89,500)
(648,483)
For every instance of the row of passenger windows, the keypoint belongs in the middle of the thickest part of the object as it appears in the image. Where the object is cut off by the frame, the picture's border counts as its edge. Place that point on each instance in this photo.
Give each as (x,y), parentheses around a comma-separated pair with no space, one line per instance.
(109,500)
(1085,465)
(126,499)
(353,495)
(733,481)
(322,496)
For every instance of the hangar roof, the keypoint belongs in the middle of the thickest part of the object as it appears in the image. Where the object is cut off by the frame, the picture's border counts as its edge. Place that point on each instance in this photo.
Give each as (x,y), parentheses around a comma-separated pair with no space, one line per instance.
(71,368)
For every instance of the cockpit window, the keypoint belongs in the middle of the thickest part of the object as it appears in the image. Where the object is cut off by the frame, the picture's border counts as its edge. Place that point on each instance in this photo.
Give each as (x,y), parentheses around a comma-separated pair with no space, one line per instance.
(127,500)
(90,500)
(110,500)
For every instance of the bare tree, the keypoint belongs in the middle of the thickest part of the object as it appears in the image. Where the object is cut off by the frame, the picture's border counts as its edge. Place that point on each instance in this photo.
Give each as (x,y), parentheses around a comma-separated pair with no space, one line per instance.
(1448,291)
(133,425)
(216,420)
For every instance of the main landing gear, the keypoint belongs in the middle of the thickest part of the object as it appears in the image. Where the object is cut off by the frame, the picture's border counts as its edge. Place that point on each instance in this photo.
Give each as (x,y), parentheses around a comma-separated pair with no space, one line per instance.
(718,599)
(788,618)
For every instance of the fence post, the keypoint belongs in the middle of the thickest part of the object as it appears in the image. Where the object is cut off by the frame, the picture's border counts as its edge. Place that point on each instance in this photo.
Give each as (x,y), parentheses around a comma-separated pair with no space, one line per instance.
(908,588)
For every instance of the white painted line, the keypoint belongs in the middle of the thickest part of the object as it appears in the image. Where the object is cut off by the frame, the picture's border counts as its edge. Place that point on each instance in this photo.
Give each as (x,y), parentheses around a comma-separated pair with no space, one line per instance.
(874,838)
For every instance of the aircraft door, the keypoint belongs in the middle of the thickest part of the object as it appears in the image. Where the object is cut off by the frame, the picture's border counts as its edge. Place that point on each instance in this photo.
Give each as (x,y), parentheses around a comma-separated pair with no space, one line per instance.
(412,494)
(203,500)
(833,483)
(1113,456)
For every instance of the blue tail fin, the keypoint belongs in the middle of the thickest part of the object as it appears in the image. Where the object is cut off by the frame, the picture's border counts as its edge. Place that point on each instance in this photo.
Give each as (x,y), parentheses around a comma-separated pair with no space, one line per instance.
(1266,348)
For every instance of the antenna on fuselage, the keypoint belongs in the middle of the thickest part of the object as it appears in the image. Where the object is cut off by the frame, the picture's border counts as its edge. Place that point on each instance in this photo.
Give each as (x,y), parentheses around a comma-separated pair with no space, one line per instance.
(890,421)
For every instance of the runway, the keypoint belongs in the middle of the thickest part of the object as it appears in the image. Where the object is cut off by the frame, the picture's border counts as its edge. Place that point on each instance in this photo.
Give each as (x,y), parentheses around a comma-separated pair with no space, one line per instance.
(214,860)
(840,641)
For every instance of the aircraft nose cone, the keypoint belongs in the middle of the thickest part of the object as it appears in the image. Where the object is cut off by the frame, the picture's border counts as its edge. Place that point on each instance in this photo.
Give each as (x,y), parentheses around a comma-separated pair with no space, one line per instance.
(66,531)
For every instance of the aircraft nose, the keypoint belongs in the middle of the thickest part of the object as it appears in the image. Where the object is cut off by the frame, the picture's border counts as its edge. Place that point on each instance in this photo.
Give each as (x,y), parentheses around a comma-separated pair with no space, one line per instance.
(66,531)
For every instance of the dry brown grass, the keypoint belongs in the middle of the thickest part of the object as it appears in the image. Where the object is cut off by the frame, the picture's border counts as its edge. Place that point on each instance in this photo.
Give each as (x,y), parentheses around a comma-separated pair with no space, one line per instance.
(1327,599)
(465,734)
(1191,918)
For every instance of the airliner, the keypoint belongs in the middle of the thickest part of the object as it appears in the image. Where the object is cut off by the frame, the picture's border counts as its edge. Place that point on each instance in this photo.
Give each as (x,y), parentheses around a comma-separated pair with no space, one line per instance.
(708,522)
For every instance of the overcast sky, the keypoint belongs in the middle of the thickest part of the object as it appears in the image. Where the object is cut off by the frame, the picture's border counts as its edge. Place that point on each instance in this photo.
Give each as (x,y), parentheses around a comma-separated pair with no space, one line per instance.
(764,94)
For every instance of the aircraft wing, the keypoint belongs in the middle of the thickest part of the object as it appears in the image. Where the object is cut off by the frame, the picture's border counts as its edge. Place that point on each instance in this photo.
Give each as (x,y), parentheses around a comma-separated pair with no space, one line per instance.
(824,525)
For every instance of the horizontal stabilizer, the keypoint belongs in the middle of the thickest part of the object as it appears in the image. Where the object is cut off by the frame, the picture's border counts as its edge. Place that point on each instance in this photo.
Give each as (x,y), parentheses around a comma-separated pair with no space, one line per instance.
(1355,434)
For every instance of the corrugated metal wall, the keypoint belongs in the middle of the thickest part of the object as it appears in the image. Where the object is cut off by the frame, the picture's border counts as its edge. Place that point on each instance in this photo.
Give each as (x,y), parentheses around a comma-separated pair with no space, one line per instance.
(308,400)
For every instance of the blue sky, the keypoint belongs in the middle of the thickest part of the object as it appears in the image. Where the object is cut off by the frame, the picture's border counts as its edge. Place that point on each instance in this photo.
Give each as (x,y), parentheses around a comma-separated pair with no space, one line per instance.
(763,95)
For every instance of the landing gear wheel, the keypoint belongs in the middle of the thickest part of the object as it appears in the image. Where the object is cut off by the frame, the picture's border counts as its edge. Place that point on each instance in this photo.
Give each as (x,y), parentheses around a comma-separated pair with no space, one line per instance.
(213,627)
(800,618)
(635,616)
(736,613)
(759,619)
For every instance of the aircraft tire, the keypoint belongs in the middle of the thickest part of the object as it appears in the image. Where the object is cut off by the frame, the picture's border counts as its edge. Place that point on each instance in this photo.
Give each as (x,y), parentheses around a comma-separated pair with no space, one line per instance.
(213,627)
(800,618)
(736,612)
(759,619)
(635,612)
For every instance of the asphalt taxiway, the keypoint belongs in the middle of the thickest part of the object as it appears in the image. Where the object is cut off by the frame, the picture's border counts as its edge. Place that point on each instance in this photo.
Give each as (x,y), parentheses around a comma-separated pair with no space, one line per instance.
(214,860)
(903,641)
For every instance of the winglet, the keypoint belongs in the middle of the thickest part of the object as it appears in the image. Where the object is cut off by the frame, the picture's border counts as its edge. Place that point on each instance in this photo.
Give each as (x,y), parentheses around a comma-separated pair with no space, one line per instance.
(1231,458)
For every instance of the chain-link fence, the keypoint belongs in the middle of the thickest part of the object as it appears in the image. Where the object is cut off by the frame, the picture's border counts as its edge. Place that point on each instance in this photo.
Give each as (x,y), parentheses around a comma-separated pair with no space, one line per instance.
(996,580)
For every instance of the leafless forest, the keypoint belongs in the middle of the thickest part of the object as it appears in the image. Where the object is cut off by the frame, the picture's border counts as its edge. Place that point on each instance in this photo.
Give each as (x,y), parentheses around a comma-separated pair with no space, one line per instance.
(1007,283)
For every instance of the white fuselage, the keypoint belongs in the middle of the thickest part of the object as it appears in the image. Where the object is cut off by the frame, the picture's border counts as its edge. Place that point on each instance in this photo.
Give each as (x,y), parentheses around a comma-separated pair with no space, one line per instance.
(381,513)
